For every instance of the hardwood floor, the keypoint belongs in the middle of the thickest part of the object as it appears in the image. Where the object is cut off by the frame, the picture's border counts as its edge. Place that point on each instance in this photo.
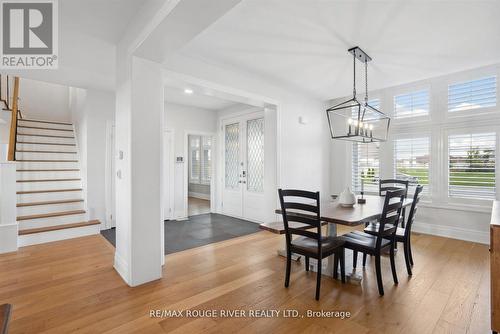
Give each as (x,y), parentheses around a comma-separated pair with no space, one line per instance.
(197,206)
(71,287)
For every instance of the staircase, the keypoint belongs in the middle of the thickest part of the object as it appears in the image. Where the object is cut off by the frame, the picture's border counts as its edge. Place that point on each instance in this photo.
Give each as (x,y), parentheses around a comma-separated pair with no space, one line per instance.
(50,201)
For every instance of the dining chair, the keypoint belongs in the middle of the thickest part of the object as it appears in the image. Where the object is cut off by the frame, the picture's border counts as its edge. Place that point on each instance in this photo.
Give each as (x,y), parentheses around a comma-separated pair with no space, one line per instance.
(394,184)
(310,244)
(403,235)
(383,239)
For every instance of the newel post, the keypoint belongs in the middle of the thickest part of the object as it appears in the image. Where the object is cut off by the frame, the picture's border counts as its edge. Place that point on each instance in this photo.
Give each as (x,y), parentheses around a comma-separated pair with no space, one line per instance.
(8,223)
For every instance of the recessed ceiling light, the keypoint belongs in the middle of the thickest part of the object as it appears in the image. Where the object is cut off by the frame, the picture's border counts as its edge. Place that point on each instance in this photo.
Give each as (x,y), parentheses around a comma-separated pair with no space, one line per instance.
(188,91)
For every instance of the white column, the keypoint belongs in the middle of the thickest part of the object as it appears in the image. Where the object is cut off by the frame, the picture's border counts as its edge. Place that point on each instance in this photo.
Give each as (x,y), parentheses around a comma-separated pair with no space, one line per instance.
(139,139)
(8,223)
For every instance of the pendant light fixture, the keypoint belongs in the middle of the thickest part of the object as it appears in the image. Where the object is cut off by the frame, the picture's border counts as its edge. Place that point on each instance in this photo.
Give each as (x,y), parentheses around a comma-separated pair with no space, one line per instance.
(354,120)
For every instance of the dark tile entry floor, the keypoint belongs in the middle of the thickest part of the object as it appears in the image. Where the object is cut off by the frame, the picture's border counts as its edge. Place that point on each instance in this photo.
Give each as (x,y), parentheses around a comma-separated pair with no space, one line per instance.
(198,231)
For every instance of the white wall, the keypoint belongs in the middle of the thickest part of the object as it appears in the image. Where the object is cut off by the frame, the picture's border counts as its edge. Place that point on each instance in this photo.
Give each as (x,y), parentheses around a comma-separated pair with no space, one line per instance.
(304,149)
(466,219)
(91,110)
(42,100)
(182,120)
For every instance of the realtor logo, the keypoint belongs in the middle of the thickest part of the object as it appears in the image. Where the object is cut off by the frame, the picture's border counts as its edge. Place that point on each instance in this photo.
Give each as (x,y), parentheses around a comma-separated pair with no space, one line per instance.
(29,34)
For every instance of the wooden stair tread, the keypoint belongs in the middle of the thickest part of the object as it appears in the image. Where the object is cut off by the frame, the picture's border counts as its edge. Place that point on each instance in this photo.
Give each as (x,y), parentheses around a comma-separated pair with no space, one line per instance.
(46,160)
(47,191)
(58,227)
(42,121)
(64,201)
(35,151)
(50,136)
(48,180)
(52,214)
(50,170)
(42,128)
(35,143)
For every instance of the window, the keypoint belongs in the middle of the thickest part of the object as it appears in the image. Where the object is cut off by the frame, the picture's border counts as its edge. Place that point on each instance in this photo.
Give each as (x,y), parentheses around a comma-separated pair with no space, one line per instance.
(200,159)
(411,161)
(480,93)
(365,167)
(412,104)
(472,165)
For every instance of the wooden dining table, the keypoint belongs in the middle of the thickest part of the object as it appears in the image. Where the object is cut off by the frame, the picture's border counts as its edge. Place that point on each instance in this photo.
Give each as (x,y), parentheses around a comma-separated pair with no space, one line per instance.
(333,213)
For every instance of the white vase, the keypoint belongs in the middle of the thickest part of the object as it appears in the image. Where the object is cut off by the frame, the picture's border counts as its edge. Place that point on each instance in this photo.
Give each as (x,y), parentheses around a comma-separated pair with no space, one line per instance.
(347,198)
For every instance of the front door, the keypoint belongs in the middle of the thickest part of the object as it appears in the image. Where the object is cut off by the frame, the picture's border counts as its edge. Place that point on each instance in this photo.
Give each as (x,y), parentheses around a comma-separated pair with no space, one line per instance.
(244,179)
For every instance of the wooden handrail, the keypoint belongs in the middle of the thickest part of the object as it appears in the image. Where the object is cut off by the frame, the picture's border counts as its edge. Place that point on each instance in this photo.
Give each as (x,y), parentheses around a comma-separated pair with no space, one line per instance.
(13,122)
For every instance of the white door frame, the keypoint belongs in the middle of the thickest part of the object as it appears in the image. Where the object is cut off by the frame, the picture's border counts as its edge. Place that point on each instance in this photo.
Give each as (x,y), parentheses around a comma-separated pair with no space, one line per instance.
(168,180)
(213,136)
(109,179)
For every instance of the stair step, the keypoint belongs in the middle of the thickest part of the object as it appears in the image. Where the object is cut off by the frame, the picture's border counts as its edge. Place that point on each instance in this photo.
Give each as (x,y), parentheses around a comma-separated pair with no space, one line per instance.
(48,180)
(50,170)
(21,205)
(42,128)
(58,227)
(38,135)
(42,121)
(53,214)
(36,143)
(47,160)
(35,151)
(47,191)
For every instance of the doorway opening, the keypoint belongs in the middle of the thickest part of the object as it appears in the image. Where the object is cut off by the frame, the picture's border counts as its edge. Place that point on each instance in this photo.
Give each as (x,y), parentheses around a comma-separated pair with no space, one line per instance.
(199,163)
(223,157)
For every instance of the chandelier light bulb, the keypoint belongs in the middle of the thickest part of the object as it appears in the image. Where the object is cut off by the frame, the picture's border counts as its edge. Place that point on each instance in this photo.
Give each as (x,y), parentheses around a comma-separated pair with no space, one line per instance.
(349,121)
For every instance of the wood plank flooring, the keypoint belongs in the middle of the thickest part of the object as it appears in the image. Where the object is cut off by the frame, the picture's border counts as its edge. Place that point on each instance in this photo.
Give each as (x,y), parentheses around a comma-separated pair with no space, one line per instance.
(197,206)
(71,287)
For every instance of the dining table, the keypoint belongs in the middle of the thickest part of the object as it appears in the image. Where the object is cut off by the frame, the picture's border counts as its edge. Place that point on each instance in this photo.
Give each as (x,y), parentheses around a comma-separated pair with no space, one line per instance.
(334,213)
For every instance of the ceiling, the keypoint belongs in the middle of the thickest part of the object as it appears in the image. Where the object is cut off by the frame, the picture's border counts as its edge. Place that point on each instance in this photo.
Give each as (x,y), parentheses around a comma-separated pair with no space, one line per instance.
(197,99)
(105,20)
(303,44)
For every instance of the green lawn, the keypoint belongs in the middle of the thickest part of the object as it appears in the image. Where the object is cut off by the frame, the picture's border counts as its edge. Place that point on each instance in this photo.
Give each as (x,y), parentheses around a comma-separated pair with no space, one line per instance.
(473,178)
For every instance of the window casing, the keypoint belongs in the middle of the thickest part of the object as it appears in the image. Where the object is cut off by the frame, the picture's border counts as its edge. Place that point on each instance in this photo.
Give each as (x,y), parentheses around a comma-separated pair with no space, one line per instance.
(474,94)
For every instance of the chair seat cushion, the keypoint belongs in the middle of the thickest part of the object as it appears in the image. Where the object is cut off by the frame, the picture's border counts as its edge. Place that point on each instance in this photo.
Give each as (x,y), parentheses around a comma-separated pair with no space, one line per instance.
(358,240)
(309,245)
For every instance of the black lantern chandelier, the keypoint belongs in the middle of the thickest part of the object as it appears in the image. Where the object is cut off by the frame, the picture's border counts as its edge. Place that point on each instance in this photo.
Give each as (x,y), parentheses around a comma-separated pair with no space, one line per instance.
(354,120)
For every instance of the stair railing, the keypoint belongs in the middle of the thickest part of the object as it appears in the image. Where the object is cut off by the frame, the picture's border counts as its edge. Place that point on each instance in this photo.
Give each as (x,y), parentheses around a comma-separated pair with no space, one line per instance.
(15,115)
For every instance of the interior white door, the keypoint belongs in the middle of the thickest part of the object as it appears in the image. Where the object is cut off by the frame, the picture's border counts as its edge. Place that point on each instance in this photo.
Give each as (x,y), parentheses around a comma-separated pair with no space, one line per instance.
(253,176)
(243,167)
(167,175)
(110,175)
(232,203)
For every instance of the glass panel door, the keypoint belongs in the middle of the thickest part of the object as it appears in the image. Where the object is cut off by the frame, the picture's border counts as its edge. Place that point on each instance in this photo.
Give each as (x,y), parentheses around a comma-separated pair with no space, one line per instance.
(232,155)
(255,155)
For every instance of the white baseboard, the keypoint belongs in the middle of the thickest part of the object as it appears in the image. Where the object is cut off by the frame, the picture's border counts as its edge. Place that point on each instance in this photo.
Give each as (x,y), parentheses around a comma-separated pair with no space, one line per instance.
(8,238)
(43,237)
(452,232)
(199,195)
(121,266)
